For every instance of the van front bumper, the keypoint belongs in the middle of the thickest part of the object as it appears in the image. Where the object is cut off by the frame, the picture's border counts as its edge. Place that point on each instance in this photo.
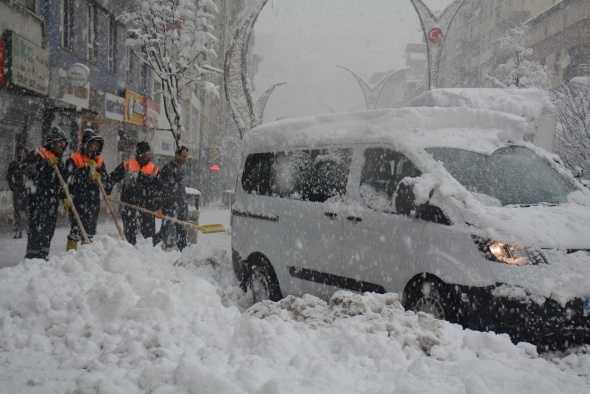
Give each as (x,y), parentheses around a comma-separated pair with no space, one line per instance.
(548,324)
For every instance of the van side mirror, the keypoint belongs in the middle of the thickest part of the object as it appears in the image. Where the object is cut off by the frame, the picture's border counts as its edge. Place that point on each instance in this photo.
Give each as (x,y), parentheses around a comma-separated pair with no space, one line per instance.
(405,205)
(432,213)
(404,200)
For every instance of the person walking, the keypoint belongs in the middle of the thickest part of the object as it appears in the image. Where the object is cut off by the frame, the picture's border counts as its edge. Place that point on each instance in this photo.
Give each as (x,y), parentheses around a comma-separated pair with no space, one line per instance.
(174,201)
(83,169)
(140,186)
(16,183)
(44,191)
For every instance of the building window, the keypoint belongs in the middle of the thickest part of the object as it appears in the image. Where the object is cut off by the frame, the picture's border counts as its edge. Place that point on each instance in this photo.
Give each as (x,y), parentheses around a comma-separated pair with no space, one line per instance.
(157,92)
(112,45)
(129,66)
(91,34)
(144,77)
(28,4)
(67,23)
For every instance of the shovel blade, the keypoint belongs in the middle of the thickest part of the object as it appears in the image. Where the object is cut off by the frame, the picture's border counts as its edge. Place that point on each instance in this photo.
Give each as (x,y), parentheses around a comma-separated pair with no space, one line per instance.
(211,228)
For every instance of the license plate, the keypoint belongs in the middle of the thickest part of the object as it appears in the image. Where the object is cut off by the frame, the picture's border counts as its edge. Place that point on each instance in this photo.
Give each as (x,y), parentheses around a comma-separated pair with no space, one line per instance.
(586,307)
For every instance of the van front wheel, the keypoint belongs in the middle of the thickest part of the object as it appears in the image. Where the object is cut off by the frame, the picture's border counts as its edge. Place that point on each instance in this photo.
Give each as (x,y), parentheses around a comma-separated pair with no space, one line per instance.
(263,283)
(430,295)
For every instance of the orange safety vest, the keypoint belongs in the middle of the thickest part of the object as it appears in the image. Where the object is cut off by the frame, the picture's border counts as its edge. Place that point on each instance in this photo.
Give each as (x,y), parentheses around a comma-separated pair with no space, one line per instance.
(148,169)
(81,160)
(45,153)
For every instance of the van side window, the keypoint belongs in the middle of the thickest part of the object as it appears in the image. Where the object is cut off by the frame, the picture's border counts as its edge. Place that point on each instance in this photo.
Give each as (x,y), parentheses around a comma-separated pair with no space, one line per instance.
(291,172)
(382,173)
(314,175)
(330,174)
(257,170)
(384,169)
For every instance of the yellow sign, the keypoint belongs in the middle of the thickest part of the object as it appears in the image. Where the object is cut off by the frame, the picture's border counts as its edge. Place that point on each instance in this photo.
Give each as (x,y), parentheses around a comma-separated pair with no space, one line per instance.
(213,154)
(134,108)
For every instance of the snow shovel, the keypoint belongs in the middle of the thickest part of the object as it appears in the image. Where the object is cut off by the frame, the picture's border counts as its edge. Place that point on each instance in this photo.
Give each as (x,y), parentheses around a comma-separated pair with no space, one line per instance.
(205,229)
(72,207)
(107,200)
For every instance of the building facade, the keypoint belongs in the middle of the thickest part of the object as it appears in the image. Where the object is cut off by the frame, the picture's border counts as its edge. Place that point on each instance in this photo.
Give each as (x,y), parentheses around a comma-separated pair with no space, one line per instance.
(65,63)
(24,72)
(558,36)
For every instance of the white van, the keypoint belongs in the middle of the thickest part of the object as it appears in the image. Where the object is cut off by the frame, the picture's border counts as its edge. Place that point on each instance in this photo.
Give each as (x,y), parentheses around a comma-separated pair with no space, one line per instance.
(448,207)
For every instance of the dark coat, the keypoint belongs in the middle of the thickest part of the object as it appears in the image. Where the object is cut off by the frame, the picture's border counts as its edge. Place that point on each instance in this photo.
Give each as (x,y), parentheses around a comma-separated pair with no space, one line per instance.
(85,193)
(15,179)
(139,186)
(41,181)
(44,193)
(172,177)
(81,186)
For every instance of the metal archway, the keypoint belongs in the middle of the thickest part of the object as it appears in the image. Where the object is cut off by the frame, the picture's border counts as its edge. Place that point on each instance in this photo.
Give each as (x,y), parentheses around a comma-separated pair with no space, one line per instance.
(435,31)
(238,91)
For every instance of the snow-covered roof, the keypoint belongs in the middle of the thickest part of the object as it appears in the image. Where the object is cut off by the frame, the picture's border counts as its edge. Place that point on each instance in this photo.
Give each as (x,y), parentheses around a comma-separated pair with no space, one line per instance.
(474,129)
(192,191)
(530,103)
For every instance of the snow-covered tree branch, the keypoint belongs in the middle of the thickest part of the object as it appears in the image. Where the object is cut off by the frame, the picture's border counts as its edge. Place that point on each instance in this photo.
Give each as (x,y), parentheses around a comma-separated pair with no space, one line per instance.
(518,71)
(573,131)
(173,39)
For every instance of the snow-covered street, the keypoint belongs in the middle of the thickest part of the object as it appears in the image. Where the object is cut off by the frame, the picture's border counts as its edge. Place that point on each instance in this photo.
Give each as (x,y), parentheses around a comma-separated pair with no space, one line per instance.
(113,318)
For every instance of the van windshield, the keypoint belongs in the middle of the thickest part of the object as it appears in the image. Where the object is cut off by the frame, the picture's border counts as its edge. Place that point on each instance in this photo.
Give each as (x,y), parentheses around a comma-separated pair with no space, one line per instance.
(513,175)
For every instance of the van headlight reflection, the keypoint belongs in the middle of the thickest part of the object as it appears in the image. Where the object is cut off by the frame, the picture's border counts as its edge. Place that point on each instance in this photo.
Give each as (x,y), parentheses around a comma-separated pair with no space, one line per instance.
(509,254)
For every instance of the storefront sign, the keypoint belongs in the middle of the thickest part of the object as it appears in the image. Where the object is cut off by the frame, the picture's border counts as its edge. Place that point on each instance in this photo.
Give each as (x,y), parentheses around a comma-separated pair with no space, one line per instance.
(134,108)
(152,113)
(77,75)
(114,107)
(27,64)
(163,143)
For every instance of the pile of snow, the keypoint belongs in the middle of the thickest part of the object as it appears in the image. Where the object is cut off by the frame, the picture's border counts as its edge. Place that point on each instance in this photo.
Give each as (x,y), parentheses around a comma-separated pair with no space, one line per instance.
(115,318)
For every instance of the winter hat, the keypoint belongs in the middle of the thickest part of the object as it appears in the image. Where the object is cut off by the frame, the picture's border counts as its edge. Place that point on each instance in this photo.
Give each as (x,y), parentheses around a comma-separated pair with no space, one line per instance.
(89,135)
(143,147)
(54,134)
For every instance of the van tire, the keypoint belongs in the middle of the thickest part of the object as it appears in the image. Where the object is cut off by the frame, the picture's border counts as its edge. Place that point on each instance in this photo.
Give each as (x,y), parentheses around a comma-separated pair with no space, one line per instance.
(263,283)
(426,293)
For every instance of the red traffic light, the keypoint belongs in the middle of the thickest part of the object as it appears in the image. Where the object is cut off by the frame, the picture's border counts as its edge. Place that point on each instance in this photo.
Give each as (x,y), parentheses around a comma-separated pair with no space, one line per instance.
(214,167)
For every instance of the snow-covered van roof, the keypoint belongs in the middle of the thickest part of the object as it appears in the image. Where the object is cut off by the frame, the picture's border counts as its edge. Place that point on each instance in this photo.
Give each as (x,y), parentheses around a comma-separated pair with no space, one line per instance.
(532,104)
(466,128)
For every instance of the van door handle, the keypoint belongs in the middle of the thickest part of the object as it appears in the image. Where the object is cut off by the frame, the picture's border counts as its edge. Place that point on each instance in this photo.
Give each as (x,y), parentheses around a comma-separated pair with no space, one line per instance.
(354,219)
(331,215)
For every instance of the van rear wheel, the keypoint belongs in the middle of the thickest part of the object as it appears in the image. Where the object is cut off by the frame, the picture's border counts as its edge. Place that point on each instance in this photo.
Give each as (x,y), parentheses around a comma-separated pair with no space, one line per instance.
(263,283)
(430,295)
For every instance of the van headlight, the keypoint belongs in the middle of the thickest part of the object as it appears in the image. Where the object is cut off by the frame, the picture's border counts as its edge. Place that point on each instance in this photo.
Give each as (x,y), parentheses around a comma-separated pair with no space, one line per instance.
(507,253)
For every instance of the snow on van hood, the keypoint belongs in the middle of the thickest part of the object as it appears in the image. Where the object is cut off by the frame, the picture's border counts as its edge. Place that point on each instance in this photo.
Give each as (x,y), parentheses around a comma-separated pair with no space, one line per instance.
(465,128)
(548,227)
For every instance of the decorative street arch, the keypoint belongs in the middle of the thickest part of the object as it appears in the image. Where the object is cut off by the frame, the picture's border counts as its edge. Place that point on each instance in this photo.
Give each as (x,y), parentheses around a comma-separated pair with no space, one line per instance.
(237,84)
(248,114)
(435,30)
(372,93)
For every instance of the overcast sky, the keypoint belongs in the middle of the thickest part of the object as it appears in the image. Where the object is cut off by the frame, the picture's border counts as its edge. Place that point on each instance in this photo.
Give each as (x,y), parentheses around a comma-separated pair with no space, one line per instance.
(302,41)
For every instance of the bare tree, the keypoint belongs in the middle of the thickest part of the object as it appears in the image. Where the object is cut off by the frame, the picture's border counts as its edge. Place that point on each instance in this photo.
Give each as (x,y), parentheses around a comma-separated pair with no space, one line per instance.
(573,130)
(519,71)
(173,39)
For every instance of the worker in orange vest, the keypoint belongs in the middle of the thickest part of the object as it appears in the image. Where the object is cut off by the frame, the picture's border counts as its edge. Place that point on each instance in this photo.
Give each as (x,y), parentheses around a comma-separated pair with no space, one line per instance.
(83,169)
(140,186)
(44,191)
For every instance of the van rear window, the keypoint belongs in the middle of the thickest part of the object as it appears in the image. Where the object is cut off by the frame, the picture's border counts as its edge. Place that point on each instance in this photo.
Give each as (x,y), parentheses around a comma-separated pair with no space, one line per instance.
(309,175)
